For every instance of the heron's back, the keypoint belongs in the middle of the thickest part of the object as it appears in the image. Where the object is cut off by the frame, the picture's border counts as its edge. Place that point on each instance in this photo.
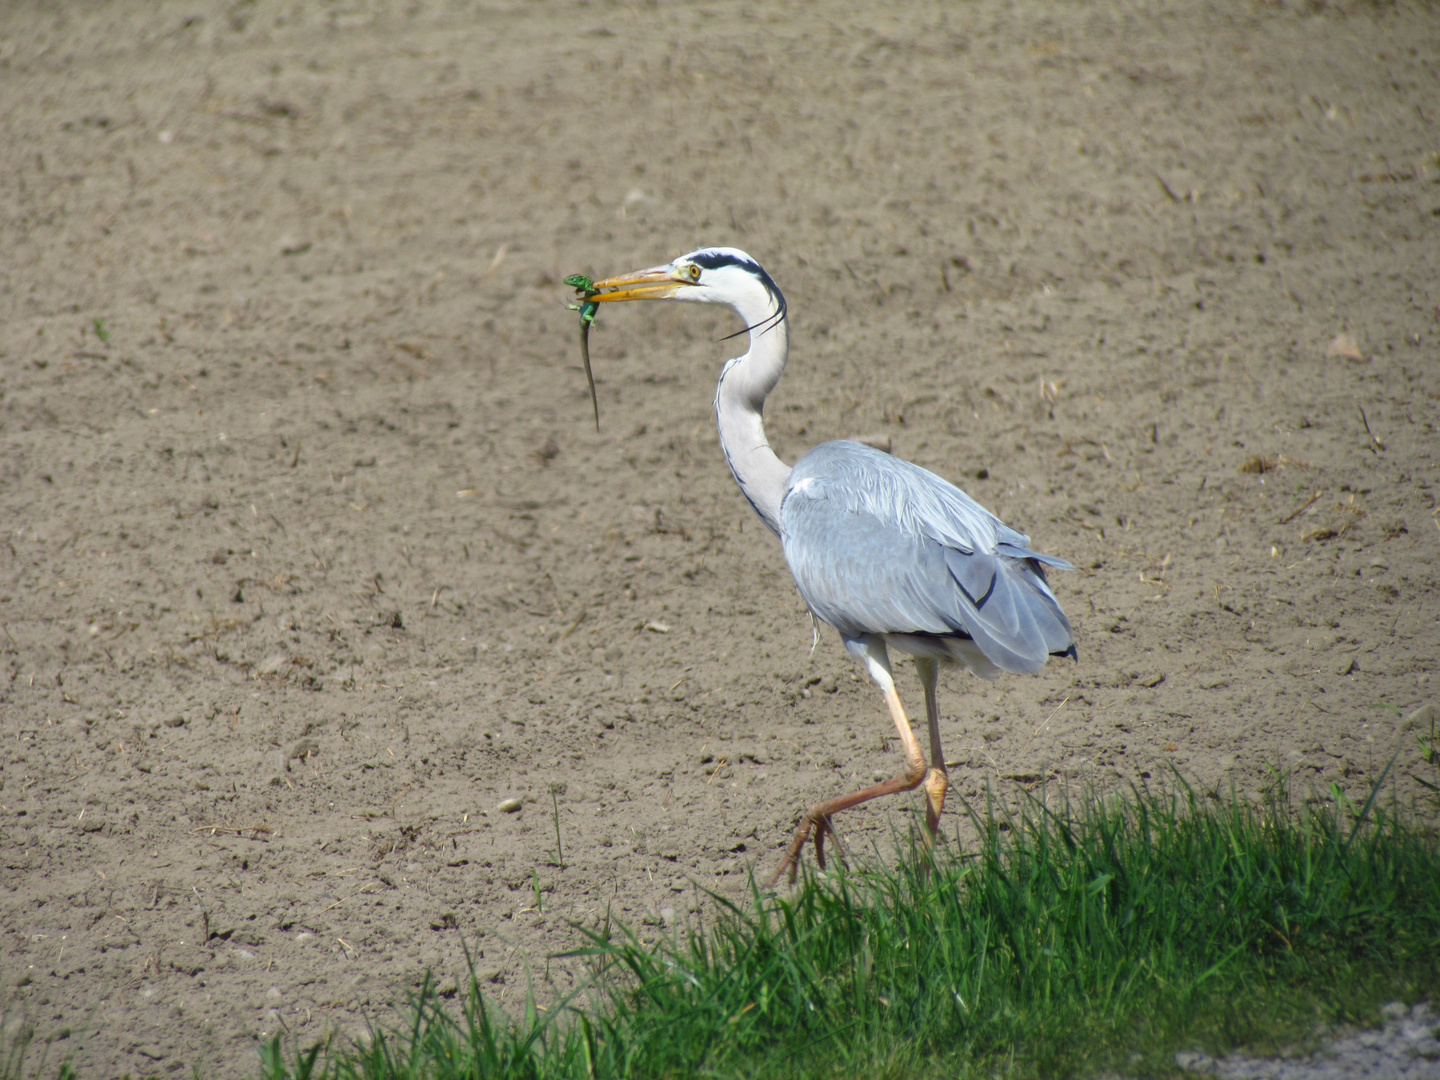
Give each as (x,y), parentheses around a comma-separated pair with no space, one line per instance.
(878,545)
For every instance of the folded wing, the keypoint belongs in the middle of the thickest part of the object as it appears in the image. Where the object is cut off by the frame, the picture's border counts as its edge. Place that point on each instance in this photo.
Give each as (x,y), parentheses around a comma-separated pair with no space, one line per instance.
(877,545)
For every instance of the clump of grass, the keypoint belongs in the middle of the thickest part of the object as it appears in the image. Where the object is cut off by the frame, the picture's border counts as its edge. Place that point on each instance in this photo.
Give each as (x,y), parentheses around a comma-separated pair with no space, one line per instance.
(1082,937)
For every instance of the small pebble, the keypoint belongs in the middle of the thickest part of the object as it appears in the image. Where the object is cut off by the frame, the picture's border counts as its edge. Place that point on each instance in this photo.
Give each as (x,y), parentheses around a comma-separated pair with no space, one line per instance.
(509,806)
(271,665)
(1423,717)
(1193,1060)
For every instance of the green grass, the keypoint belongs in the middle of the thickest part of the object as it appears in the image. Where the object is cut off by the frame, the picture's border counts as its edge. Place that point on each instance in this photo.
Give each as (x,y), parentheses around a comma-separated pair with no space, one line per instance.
(1104,935)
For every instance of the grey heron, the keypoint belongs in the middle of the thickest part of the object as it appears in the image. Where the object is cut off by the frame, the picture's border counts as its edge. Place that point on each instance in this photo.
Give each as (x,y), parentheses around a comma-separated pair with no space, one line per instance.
(889,554)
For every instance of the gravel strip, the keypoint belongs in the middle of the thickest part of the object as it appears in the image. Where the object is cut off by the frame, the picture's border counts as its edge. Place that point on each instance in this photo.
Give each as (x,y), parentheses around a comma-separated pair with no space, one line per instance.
(1406,1048)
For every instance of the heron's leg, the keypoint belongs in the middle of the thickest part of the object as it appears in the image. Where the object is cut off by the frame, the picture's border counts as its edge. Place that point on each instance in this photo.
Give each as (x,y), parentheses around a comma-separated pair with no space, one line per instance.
(937,779)
(872,650)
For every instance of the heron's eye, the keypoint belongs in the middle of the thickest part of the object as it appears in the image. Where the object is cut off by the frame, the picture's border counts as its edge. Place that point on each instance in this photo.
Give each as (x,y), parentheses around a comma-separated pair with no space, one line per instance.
(694,272)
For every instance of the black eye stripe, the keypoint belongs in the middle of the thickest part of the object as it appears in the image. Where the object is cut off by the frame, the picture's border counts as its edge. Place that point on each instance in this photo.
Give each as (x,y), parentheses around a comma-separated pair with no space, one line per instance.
(713,260)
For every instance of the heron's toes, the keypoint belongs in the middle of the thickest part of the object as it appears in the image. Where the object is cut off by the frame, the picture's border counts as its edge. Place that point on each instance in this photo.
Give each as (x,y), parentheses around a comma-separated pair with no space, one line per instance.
(791,863)
(822,826)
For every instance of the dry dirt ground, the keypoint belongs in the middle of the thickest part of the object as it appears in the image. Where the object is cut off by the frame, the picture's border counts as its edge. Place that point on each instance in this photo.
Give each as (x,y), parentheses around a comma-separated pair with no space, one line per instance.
(313,556)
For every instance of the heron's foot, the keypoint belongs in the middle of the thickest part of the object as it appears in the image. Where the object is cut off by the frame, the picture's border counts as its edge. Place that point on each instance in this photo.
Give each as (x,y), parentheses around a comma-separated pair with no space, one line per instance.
(818,819)
(821,825)
(791,862)
(824,825)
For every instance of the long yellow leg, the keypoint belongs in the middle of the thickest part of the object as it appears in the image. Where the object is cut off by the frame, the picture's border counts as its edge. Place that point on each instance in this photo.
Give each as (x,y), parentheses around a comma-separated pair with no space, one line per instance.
(877,660)
(937,779)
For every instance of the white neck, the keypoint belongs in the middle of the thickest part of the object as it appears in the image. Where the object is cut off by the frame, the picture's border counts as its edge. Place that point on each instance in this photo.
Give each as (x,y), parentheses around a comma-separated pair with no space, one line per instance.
(739,407)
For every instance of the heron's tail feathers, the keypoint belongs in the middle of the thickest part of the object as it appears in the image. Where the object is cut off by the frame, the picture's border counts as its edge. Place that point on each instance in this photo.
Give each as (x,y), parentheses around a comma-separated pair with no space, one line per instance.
(1014,552)
(1008,609)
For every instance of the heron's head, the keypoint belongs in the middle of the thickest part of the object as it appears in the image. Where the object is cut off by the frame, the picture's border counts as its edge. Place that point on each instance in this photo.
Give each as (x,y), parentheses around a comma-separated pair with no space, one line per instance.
(718,275)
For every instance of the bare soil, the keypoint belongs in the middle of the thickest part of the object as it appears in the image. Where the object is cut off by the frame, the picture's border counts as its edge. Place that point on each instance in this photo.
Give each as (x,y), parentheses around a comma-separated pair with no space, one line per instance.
(313,556)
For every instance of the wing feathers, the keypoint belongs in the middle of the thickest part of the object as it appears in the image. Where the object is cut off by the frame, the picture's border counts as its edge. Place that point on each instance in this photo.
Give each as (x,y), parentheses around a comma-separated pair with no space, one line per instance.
(877,545)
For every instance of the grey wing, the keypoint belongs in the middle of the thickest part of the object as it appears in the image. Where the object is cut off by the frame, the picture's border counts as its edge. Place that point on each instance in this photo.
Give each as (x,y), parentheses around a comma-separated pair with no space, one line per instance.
(876,545)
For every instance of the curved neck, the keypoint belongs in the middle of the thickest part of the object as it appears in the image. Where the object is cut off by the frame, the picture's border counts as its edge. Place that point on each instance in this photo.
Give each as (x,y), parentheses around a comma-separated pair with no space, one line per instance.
(739,408)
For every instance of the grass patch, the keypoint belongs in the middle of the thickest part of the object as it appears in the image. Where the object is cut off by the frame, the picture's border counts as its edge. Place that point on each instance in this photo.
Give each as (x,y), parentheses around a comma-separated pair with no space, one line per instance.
(1084,937)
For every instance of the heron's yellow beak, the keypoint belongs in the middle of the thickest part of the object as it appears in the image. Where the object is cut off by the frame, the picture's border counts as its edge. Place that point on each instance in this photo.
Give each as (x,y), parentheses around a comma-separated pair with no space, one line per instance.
(653,284)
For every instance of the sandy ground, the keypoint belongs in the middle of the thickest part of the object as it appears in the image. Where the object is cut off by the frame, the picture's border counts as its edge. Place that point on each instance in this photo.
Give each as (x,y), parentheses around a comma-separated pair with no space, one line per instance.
(312,555)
